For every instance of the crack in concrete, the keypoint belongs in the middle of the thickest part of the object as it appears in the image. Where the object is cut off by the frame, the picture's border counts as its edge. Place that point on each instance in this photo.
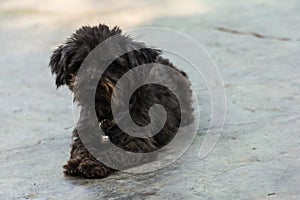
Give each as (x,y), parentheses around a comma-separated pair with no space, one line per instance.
(263,120)
(257,35)
(31,146)
(238,165)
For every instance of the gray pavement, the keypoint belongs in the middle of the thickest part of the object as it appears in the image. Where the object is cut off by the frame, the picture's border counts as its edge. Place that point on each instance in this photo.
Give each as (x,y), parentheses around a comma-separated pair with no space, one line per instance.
(255,44)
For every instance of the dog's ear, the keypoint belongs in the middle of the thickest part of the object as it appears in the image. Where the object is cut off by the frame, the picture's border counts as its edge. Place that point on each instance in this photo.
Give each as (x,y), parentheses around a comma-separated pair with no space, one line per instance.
(58,66)
(64,63)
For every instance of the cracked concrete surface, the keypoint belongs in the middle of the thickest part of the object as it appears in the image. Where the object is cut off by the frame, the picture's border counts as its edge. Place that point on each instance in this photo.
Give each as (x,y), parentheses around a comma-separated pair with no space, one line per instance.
(255,34)
(257,156)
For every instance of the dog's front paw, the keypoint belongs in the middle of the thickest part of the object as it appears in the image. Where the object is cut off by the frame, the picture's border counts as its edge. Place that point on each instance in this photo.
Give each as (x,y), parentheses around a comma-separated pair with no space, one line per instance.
(71,168)
(86,168)
(91,169)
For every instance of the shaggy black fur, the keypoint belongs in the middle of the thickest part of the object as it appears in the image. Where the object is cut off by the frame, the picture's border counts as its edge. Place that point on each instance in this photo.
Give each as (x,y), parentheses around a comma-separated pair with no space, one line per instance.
(65,62)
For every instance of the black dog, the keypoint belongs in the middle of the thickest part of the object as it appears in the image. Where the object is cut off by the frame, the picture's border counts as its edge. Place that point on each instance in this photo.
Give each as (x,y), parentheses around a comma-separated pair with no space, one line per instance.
(65,63)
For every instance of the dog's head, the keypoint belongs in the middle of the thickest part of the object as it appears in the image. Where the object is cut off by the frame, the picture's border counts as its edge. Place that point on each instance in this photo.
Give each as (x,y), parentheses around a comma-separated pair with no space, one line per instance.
(67,58)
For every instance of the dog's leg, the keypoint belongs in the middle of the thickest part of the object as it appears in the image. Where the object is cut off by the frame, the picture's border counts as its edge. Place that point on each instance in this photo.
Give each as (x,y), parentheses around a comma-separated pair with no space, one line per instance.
(83,164)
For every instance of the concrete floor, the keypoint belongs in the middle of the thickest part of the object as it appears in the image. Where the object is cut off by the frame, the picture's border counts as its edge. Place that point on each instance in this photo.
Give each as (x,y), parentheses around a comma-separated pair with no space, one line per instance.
(255,44)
